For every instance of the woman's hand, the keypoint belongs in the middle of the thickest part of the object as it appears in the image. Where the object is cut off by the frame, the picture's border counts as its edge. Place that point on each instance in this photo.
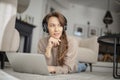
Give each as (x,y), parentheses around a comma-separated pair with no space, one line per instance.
(51,69)
(53,42)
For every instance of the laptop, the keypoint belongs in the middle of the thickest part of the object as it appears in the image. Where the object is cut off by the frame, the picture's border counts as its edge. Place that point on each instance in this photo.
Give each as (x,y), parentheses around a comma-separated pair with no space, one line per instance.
(28,63)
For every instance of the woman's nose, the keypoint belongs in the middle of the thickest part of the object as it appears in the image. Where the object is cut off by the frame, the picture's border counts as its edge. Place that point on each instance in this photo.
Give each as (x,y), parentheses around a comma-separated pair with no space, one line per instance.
(56,28)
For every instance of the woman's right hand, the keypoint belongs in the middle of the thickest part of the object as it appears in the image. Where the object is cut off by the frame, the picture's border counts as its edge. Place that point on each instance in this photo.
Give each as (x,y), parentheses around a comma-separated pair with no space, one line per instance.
(52,42)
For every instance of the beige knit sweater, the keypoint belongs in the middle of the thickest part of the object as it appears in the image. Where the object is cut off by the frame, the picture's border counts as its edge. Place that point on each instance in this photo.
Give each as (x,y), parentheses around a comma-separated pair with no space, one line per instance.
(70,65)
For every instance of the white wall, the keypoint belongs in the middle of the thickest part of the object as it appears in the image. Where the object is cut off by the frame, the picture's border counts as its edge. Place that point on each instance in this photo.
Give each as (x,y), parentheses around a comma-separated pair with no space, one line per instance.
(78,14)
(81,15)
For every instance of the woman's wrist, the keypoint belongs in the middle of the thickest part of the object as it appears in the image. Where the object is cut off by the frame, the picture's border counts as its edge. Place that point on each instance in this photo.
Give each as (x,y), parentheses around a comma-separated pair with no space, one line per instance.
(48,52)
(48,47)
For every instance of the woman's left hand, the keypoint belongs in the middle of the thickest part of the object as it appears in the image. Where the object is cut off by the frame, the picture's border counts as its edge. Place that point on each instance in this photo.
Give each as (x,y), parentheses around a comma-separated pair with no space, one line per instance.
(51,69)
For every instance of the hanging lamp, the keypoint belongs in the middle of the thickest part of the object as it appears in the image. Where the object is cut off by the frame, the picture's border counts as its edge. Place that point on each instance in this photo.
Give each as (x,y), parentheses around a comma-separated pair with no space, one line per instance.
(108,19)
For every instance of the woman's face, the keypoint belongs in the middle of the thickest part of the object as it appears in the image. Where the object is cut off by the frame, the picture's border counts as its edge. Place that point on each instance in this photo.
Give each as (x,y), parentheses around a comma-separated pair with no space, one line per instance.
(54,27)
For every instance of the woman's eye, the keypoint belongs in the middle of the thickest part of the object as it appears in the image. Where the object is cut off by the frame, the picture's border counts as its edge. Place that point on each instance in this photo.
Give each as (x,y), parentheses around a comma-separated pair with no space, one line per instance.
(52,25)
(60,25)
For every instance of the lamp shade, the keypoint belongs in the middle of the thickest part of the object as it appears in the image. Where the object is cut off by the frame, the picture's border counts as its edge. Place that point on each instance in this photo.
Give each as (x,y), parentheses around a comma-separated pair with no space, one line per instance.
(108,18)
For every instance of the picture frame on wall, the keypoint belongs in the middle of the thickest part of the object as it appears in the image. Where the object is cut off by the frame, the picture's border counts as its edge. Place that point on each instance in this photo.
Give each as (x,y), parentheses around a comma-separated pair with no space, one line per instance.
(93,31)
(80,30)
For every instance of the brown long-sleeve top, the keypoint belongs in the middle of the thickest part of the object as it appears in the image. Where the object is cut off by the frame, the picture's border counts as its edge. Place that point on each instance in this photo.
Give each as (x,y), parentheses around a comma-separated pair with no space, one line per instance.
(70,65)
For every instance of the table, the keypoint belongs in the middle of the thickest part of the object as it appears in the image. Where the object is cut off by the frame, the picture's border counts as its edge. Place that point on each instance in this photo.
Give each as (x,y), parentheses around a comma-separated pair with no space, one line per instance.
(115,41)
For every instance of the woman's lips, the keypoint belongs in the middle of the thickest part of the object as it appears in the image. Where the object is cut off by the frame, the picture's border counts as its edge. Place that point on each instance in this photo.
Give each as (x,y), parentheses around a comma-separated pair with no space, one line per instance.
(56,34)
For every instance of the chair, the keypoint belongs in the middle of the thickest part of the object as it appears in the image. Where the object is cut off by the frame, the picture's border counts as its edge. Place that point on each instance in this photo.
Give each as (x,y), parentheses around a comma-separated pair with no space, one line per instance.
(9,36)
(88,50)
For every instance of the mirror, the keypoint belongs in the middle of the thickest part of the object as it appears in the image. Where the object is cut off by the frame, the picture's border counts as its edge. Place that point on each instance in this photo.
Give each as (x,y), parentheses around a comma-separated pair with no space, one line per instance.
(22,5)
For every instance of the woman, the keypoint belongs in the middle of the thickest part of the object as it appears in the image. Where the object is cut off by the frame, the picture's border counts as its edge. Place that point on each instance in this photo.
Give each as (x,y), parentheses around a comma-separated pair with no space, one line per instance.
(59,49)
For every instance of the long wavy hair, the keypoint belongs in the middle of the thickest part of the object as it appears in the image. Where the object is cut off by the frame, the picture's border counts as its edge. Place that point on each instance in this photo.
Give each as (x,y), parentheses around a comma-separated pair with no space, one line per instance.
(63,47)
